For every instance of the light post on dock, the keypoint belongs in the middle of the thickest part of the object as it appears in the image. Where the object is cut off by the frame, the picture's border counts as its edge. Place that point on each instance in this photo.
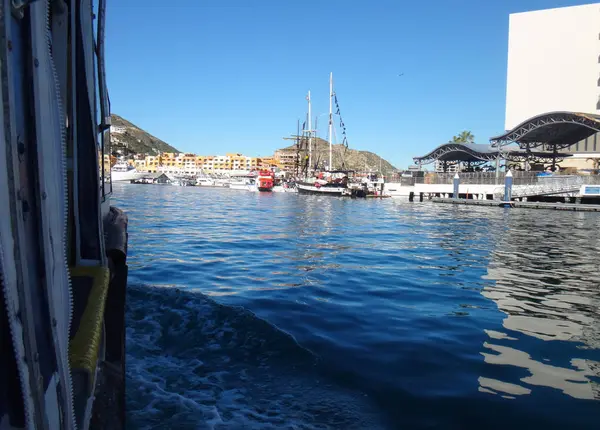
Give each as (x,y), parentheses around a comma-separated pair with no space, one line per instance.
(498,167)
(508,183)
(456,182)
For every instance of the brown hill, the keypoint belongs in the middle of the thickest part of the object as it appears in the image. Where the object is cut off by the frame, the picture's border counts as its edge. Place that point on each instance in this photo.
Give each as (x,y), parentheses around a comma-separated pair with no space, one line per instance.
(127,138)
(344,158)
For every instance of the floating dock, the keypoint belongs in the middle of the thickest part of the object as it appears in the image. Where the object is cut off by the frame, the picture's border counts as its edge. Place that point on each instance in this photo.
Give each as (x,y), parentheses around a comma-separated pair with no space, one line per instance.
(578,207)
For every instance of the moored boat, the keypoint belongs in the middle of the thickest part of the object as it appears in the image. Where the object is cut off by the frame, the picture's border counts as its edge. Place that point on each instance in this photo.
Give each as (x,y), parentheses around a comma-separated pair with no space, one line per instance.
(327,181)
(243,183)
(205,182)
(321,189)
(266,179)
(124,172)
(334,183)
(285,187)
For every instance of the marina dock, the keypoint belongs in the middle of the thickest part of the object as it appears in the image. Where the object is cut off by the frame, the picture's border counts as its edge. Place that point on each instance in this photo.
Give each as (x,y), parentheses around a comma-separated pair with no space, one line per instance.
(578,207)
(531,190)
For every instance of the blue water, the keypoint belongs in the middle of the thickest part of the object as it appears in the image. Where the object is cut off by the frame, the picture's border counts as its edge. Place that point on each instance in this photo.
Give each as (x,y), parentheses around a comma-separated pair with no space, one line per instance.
(268,311)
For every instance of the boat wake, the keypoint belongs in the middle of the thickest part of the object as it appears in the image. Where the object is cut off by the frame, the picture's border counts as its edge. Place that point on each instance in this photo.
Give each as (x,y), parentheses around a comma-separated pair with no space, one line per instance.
(193,363)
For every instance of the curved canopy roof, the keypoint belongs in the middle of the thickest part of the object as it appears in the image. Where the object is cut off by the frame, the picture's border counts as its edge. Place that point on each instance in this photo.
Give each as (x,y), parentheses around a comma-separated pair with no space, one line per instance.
(562,129)
(472,152)
(459,152)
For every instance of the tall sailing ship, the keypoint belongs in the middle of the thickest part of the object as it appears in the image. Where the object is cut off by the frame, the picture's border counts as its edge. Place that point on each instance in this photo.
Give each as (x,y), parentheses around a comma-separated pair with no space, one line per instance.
(323,181)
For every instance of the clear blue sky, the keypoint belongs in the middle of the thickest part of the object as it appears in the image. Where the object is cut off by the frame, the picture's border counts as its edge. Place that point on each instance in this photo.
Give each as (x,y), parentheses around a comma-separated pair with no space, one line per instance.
(231,76)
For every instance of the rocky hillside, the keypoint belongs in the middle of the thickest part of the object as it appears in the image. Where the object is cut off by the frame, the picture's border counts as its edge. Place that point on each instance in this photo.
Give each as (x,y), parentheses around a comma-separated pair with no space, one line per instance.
(127,138)
(346,158)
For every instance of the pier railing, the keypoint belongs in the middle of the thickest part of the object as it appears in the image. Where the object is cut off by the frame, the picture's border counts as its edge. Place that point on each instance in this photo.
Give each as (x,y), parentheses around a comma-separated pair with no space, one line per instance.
(480,178)
(489,178)
(550,185)
(561,185)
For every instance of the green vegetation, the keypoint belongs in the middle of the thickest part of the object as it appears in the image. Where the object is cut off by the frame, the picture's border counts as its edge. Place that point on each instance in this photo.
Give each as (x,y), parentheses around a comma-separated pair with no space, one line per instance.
(464,137)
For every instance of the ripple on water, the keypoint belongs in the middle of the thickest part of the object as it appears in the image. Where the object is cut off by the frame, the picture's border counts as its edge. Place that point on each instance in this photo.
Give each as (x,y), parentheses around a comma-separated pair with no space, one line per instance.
(399,315)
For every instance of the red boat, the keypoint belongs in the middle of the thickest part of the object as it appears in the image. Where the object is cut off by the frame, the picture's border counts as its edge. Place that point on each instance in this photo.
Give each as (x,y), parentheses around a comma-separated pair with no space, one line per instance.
(266,178)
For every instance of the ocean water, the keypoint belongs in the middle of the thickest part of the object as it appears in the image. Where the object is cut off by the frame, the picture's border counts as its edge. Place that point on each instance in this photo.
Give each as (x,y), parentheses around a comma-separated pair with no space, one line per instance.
(283,311)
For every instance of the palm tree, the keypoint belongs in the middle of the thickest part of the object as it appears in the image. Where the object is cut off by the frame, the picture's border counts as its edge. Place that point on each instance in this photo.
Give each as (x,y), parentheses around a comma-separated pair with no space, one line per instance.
(464,137)
(596,162)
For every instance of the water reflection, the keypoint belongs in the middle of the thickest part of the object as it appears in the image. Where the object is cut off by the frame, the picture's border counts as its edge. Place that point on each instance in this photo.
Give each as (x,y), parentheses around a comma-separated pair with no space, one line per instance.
(546,284)
(435,314)
(574,382)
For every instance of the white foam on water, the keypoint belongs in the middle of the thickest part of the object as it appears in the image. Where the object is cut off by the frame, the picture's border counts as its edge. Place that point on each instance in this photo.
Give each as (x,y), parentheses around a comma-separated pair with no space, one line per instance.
(195,364)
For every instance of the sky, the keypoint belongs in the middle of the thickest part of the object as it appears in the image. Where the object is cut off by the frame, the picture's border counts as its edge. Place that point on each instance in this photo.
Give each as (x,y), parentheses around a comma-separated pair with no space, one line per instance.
(217,76)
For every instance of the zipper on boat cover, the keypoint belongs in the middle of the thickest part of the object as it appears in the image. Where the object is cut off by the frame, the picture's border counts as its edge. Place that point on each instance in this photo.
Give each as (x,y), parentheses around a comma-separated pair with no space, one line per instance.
(57,119)
(63,143)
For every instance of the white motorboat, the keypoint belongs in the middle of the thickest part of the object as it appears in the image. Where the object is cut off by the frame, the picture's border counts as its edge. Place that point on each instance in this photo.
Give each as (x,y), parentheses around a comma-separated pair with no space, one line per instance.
(221,182)
(205,182)
(122,171)
(246,184)
(182,182)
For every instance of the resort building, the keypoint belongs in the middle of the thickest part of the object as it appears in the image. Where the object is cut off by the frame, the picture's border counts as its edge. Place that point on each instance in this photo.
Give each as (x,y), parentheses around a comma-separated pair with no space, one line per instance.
(554,66)
(191,164)
(267,162)
(286,159)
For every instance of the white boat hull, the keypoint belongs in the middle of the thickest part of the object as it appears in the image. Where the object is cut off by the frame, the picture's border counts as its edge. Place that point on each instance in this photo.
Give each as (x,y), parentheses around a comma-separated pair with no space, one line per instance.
(323,190)
(244,187)
(280,189)
(126,176)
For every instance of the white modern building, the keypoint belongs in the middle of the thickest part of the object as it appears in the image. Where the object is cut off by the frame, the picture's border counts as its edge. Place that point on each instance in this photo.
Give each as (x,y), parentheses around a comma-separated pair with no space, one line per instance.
(554,65)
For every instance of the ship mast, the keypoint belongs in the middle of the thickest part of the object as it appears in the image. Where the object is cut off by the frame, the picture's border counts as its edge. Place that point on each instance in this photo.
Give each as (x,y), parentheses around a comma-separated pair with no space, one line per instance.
(309,133)
(330,120)
(297,148)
